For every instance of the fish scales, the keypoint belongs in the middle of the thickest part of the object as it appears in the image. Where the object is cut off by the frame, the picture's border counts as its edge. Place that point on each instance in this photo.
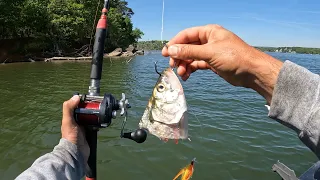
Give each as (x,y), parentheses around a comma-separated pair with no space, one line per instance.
(166,113)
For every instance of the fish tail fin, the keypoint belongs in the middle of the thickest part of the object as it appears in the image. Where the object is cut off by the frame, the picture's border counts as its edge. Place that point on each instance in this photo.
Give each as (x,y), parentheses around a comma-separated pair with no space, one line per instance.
(179,173)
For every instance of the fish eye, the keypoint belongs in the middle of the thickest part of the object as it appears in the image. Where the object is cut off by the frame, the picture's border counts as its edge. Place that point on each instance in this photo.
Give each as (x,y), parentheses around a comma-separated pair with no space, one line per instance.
(160,88)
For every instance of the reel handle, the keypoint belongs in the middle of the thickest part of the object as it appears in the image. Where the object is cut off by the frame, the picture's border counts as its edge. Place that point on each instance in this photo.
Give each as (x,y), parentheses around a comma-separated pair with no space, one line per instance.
(139,135)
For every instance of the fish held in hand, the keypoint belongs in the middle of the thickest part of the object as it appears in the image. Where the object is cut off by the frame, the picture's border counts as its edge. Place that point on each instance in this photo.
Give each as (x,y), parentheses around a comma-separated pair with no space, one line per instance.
(166,113)
(186,172)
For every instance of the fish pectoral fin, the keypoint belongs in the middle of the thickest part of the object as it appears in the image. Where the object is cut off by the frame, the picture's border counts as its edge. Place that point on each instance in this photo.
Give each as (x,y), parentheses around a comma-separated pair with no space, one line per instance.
(179,173)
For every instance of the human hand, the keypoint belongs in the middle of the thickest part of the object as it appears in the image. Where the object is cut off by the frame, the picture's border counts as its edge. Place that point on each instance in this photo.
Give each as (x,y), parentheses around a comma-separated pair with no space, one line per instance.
(70,130)
(213,47)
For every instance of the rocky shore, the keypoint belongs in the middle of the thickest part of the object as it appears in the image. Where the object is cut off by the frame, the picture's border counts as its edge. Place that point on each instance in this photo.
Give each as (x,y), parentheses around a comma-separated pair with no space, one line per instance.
(118,52)
(130,51)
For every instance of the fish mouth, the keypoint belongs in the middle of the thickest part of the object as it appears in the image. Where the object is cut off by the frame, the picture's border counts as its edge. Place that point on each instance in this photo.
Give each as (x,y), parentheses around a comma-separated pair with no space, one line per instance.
(168,71)
(193,161)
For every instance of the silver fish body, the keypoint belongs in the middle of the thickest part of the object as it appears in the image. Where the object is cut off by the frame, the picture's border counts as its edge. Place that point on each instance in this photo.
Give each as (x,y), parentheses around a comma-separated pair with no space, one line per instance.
(166,113)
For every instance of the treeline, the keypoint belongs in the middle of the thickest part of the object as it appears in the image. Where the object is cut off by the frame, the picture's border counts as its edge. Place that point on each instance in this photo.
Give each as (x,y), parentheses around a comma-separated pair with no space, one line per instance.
(158,45)
(63,26)
(151,45)
(299,50)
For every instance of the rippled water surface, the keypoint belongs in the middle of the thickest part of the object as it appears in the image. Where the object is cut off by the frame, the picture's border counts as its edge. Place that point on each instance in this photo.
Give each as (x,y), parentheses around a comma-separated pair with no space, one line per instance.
(232,137)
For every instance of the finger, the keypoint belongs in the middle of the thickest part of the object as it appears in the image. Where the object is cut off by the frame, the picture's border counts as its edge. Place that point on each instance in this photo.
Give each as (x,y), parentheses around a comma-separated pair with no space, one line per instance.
(184,77)
(181,68)
(187,74)
(188,51)
(189,35)
(189,71)
(194,66)
(165,51)
(199,64)
(165,48)
(193,35)
(174,62)
(183,65)
(68,109)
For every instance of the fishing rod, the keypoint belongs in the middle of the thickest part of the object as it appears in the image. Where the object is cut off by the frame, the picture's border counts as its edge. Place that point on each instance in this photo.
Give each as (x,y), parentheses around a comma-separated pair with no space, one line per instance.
(95,111)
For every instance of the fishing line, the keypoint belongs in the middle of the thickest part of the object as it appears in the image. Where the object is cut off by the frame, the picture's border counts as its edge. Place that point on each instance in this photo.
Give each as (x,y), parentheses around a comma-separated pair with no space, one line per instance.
(191,112)
(165,44)
(162,20)
(94,23)
(91,37)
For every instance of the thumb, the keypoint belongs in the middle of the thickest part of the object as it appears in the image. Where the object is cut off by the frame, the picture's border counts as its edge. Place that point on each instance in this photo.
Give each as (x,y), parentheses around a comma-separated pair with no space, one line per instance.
(68,108)
(189,51)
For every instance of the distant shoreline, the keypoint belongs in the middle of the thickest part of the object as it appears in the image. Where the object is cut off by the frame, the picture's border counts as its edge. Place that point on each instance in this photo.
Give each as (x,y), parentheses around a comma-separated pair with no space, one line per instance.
(293,50)
(158,45)
(7,55)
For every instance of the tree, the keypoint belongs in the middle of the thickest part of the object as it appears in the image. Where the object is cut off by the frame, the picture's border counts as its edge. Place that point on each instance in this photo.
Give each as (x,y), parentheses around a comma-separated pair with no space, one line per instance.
(61,26)
(120,32)
(151,45)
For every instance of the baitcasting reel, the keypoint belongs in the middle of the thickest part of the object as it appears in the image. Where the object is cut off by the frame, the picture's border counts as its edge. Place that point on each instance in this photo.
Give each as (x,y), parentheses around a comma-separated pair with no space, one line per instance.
(98,111)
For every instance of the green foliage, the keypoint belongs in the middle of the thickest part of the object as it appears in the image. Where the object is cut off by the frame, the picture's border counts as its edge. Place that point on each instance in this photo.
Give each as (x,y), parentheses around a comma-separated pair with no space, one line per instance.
(136,35)
(121,33)
(63,25)
(299,50)
(66,18)
(151,45)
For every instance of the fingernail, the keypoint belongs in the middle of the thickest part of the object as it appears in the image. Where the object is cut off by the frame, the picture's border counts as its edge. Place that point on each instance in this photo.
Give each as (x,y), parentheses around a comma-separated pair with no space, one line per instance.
(173,50)
(75,97)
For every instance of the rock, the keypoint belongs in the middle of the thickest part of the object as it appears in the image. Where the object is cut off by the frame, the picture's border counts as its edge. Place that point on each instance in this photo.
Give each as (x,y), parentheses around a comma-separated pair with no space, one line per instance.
(139,52)
(131,48)
(127,54)
(31,60)
(130,51)
(116,52)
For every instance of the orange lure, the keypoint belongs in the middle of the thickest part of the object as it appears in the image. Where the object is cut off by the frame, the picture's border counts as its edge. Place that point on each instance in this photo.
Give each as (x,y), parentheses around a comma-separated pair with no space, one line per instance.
(186,172)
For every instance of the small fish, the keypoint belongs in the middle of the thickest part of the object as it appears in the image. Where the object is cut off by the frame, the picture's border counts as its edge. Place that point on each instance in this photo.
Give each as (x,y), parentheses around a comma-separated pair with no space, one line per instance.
(186,172)
(166,113)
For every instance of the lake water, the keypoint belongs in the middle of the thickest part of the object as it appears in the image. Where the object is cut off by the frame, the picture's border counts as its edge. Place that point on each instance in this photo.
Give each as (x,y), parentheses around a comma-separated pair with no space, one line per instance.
(231,135)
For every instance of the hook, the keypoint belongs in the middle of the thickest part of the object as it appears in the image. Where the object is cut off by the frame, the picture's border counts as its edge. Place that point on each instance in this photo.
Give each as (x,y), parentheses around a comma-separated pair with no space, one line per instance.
(155,67)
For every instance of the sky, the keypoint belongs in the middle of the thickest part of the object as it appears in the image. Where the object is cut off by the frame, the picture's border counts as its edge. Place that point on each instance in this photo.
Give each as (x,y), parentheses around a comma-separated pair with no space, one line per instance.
(258,22)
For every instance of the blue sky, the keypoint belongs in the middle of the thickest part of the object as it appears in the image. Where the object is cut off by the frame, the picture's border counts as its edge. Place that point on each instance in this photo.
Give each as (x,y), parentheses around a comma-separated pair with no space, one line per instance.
(259,23)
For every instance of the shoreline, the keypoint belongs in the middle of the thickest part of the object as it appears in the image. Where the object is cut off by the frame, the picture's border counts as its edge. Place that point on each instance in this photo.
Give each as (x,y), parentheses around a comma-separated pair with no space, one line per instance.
(89,58)
(118,53)
(66,59)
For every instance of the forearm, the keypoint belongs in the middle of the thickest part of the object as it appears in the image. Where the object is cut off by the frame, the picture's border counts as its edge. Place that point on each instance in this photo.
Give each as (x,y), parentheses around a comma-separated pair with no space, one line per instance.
(265,70)
(64,162)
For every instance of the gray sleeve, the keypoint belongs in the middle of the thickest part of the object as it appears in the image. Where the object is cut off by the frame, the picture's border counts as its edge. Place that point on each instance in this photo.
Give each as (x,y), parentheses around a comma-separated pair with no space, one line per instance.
(64,162)
(295,103)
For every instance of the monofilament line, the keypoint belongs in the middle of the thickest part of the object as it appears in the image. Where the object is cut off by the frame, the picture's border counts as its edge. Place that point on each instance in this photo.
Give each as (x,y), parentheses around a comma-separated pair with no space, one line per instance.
(162,21)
